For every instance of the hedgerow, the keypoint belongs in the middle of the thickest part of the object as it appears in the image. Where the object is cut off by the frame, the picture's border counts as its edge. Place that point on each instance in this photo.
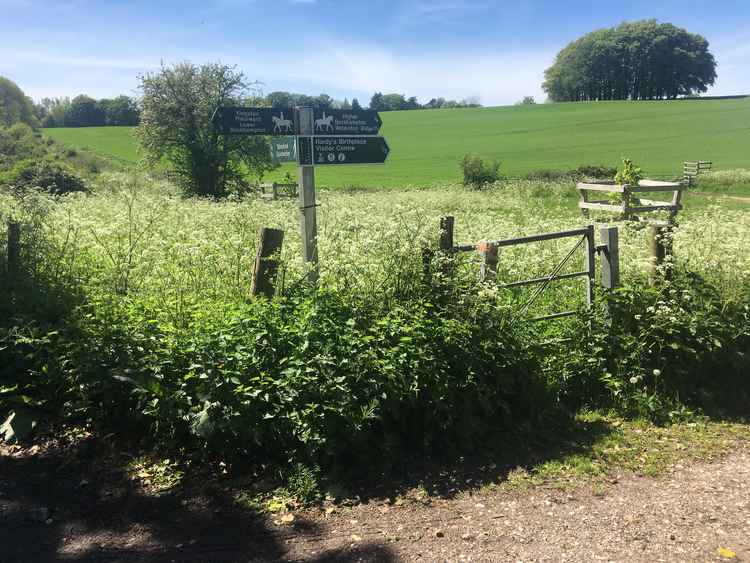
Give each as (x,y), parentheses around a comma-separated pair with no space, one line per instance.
(133,312)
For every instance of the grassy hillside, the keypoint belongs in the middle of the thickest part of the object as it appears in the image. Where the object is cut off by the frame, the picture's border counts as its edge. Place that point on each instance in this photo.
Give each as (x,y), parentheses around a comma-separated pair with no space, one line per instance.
(426,145)
(109,142)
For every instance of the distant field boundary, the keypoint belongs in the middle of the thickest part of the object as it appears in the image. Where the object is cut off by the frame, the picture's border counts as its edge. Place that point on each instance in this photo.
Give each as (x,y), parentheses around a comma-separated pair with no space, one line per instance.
(732,97)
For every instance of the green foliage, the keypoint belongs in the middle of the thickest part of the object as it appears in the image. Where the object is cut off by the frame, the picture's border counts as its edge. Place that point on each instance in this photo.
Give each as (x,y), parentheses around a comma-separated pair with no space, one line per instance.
(178,103)
(660,352)
(582,172)
(595,171)
(629,174)
(48,175)
(134,313)
(642,60)
(15,106)
(477,172)
(84,111)
(19,142)
(303,483)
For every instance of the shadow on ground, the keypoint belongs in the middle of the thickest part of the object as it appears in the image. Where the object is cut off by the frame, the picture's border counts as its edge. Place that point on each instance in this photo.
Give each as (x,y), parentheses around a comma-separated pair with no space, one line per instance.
(448,478)
(78,504)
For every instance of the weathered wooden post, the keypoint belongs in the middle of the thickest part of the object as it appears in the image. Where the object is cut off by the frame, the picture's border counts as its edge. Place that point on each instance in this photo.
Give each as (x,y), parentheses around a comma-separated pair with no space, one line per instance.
(266,261)
(446,233)
(307,205)
(660,252)
(446,243)
(589,263)
(489,253)
(610,276)
(14,249)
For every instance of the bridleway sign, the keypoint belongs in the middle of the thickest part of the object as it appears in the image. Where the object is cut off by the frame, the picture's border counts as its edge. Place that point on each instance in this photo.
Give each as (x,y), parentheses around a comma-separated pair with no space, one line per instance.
(346,122)
(254,121)
(311,137)
(354,149)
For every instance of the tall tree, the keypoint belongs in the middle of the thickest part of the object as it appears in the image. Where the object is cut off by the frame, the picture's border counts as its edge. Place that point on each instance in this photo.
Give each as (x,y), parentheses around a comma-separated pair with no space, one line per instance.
(84,112)
(15,106)
(642,60)
(176,110)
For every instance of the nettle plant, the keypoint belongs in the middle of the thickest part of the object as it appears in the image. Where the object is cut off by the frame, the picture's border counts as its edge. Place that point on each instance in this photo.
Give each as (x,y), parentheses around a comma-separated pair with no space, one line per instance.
(630,174)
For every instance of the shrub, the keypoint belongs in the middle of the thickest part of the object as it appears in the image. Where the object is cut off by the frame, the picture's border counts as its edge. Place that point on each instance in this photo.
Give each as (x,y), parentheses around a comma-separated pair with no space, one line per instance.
(653,352)
(595,171)
(50,176)
(630,174)
(478,172)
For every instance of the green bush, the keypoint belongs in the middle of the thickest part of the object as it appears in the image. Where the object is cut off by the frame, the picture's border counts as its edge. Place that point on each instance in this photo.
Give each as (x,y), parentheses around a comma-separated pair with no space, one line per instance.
(654,352)
(50,176)
(580,173)
(630,174)
(595,171)
(478,173)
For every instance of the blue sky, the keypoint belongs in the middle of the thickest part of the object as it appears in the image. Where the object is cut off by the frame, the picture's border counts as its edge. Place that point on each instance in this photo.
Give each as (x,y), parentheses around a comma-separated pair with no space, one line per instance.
(453,48)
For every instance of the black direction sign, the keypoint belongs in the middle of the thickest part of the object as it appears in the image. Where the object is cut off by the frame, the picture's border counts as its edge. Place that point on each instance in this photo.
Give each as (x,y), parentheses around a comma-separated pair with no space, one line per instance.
(254,121)
(348,150)
(346,122)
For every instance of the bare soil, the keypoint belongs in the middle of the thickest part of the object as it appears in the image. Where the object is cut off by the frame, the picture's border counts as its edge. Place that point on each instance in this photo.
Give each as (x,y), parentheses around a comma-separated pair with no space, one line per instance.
(76,504)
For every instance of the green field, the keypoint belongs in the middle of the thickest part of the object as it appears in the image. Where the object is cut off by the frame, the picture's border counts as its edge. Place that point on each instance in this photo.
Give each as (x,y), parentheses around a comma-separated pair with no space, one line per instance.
(426,145)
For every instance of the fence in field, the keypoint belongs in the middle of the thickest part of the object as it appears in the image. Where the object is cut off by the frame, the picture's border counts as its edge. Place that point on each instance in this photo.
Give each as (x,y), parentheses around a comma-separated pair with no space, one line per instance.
(266,263)
(691,169)
(273,190)
(629,203)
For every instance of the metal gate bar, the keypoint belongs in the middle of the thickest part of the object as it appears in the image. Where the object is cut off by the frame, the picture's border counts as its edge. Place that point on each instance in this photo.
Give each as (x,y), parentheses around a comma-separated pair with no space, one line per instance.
(589,263)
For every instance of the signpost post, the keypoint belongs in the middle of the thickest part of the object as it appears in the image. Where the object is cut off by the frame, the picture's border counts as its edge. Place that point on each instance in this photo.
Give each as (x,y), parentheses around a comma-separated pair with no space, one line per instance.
(307,212)
(310,137)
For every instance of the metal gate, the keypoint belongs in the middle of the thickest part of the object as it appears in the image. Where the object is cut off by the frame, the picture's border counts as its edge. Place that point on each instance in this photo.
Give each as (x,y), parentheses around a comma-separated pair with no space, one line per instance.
(584,237)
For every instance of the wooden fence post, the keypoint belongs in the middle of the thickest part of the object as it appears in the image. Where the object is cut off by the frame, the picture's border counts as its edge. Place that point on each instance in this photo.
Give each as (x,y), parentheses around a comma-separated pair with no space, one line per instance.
(610,237)
(589,263)
(446,243)
(266,264)
(660,251)
(489,253)
(14,249)
(446,233)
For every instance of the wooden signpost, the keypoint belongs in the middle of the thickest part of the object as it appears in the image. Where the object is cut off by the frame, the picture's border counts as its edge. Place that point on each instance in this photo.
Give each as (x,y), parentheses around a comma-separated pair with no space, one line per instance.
(311,137)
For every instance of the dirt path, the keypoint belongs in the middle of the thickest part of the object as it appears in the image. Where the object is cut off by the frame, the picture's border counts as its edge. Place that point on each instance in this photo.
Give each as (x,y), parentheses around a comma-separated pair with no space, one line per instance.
(55,509)
(736,198)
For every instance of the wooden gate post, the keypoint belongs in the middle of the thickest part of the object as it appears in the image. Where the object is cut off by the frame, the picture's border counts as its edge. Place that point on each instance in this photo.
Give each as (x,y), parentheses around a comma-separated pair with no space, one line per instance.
(589,262)
(610,237)
(14,249)
(660,251)
(489,253)
(266,264)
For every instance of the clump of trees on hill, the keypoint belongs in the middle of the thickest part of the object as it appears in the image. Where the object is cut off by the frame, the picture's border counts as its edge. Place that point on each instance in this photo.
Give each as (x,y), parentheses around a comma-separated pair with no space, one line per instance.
(84,111)
(642,60)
